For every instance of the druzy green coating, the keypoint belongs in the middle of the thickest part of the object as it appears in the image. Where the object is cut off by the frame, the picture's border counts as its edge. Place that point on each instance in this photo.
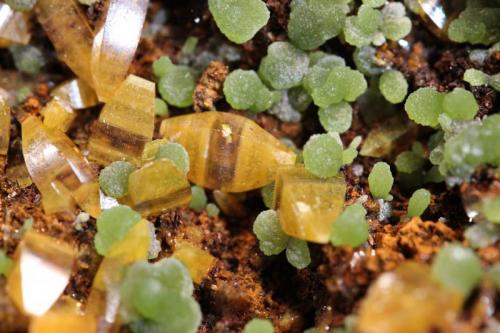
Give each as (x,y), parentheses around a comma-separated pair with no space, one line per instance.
(322,155)
(351,227)
(360,30)
(244,90)
(284,66)
(336,117)
(475,77)
(258,326)
(409,162)
(393,86)
(272,239)
(424,106)
(113,179)
(176,87)
(313,22)
(380,180)
(476,25)
(112,225)
(490,208)
(161,66)
(460,104)
(418,203)
(5,263)
(239,20)
(395,24)
(28,59)
(212,210)
(457,268)
(267,193)
(297,253)
(373,3)
(161,108)
(176,153)
(198,198)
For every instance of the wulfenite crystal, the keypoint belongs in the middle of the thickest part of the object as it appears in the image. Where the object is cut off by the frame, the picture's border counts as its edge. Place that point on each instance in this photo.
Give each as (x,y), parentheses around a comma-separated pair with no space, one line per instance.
(125,124)
(77,93)
(4,126)
(223,150)
(40,274)
(58,114)
(14,27)
(308,206)
(199,262)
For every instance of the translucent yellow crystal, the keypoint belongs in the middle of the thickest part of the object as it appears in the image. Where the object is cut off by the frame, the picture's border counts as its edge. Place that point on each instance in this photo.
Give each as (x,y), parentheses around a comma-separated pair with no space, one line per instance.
(14,27)
(58,169)
(380,140)
(10,82)
(115,44)
(41,271)
(77,93)
(4,126)
(20,174)
(126,123)
(227,151)
(58,114)
(157,186)
(104,298)
(198,261)
(63,321)
(307,205)
(408,300)
(67,28)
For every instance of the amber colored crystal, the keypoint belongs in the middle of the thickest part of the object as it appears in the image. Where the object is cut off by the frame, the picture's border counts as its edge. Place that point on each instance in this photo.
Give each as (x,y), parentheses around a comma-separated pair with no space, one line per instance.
(41,271)
(227,151)
(437,14)
(308,206)
(126,123)
(198,261)
(77,93)
(63,321)
(20,174)
(157,186)
(10,82)
(231,204)
(58,169)
(4,126)
(104,298)
(14,27)
(115,44)
(408,300)
(381,140)
(58,114)
(66,26)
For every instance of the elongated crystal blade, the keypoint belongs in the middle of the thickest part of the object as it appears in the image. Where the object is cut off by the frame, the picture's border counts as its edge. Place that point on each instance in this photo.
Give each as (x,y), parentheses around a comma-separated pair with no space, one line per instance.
(77,93)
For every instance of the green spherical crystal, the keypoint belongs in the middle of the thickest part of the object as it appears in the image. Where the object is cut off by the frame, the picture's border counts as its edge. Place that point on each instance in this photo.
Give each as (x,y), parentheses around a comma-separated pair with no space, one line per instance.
(395,25)
(475,77)
(336,117)
(176,87)
(460,104)
(272,239)
(457,268)
(351,227)
(239,20)
(113,179)
(259,326)
(112,225)
(212,210)
(176,153)
(161,108)
(198,198)
(380,180)
(323,155)
(161,66)
(284,66)
(28,59)
(393,86)
(424,106)
(297,253)
(490,208)
(409,162)
(267,193)
(419,201)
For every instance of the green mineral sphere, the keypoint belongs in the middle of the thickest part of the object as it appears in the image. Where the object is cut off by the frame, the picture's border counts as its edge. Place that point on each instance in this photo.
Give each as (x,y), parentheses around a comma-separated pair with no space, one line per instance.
(297,253)
(322,155)
(351,227)
(424,106)
(113,179)
(176,153)
(419,202)
(176,87)
(259,326)
(460,104)
(198,198)
(272,239)
(393,86)
(336,117)
(380,180)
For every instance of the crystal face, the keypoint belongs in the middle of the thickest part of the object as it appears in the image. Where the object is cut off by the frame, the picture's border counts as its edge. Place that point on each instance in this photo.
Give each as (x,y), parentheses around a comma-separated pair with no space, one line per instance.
(4,126)
(41,272)
(115,44)
(125,124)
(438,14)
(198,261)
(68,30)
(227,151)
(58,169)
(308,206)
(408,300)
(14,27)
(58,114)
(171,187)
(77,93)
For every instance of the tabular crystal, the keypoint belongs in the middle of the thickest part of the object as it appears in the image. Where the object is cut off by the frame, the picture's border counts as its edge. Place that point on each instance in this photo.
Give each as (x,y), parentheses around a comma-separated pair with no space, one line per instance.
(4,126)
(77,93)
(14,27)
(308,206)
(58,114)
(227,151)
(198,261)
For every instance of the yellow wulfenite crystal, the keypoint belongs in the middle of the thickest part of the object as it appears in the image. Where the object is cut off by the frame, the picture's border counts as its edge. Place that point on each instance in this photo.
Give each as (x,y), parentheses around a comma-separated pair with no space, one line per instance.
(68,29)
(58,169)
(4,126)
(41,271)
(308,206)
(57,114)
(104,298)
(14,27)
(126,123)
(408,300)
(227,151)
(198,261)
(115,44)
(77,93)
(63,321)
(157,186)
